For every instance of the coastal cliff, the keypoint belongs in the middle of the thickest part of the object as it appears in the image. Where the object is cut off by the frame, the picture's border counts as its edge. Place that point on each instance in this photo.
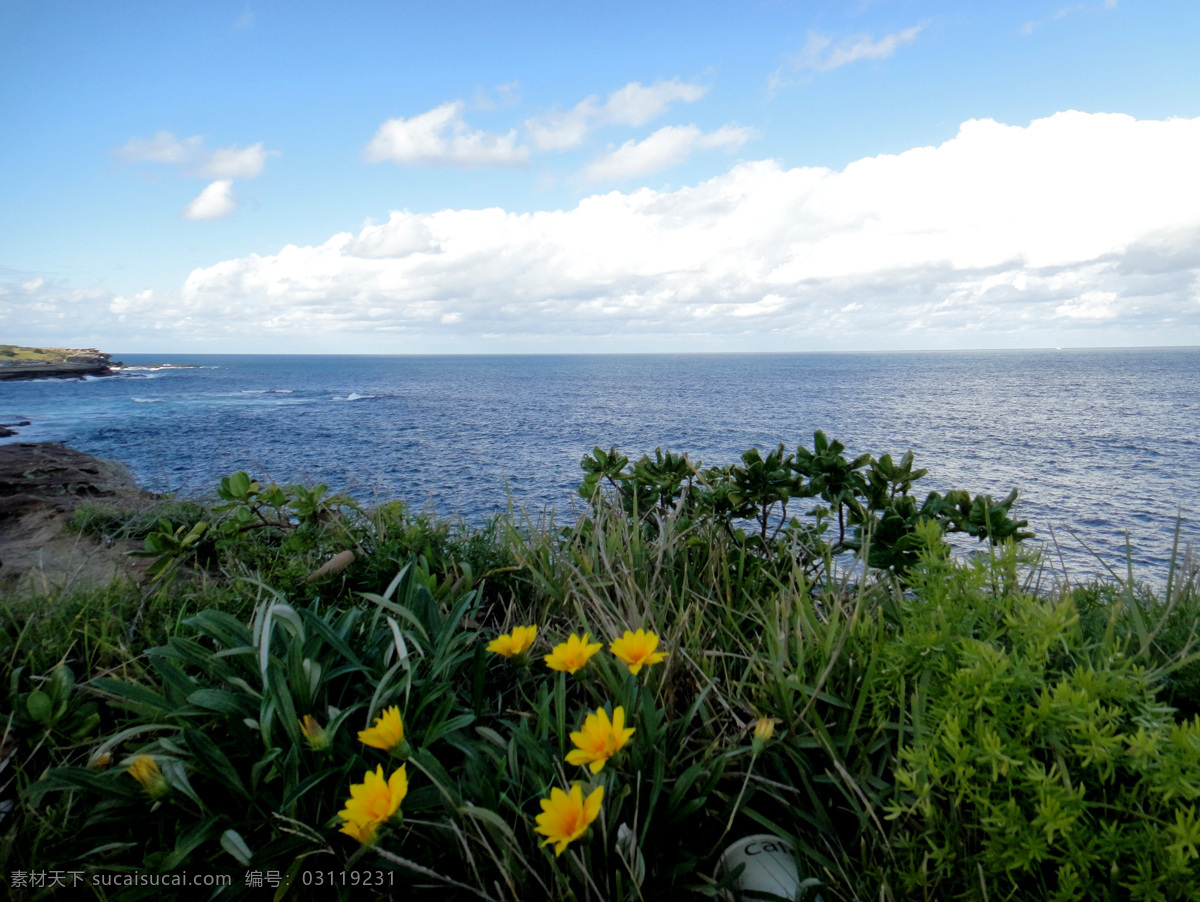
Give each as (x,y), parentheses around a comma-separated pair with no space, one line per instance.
(53,363)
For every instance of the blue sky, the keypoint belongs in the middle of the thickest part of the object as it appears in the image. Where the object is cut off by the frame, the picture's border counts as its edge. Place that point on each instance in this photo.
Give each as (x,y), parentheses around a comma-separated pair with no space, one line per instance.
(537,177)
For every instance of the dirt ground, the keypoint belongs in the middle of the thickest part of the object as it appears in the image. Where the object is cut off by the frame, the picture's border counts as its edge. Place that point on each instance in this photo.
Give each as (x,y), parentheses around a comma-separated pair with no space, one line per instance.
(37,554)
(40,487)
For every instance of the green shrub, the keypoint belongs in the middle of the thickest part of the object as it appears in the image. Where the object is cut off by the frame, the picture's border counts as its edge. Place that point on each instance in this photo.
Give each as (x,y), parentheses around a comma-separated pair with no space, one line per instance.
(1041,761)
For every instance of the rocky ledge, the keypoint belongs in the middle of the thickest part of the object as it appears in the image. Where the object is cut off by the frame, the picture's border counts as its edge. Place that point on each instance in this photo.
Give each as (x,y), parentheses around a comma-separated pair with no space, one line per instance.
(41,484)
(53,363)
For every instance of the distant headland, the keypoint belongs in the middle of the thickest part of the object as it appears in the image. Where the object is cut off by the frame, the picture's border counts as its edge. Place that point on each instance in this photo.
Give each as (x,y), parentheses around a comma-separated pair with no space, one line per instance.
(17,362)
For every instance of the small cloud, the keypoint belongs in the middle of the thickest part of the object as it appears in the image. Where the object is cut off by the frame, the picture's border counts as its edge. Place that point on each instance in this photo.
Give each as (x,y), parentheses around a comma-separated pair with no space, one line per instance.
(442,137)
(562,131)
(665,148)
(635,104)
(727,137)
(502,97)
(193,159)
(821,54)
(232,162)
(162,148)
(245,21)
(1030,27)
(215,202)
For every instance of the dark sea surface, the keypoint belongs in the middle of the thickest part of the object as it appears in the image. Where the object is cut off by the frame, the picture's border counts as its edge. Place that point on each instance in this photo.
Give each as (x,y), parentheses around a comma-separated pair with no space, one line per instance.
(1097,441)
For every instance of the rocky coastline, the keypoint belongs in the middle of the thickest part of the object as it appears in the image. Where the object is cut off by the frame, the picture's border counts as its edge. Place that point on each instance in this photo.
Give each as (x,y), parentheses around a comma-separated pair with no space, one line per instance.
(54,363)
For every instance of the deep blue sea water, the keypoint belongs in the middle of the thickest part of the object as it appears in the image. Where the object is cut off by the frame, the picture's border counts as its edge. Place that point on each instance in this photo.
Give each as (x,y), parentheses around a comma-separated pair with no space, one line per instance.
(1097,441)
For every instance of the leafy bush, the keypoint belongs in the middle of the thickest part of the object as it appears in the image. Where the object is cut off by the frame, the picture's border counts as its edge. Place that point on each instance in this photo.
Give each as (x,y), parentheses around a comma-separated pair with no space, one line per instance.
(867,499)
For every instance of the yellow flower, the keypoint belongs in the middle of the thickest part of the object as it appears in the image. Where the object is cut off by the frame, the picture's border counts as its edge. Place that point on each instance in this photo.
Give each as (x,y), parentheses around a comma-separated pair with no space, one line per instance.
(145,770)
(764,729)
(599,740)
(387,733)
(565,818)
(516,643)
(372,803)
(572,654)
(637,649)
(315,735)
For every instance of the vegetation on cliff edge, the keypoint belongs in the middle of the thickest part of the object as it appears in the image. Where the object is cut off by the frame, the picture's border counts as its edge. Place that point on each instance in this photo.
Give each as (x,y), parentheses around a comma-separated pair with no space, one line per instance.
(812,662)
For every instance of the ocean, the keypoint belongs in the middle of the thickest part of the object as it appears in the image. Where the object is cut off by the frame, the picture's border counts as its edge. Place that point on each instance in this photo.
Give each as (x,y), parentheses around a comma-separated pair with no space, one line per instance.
(1101,444)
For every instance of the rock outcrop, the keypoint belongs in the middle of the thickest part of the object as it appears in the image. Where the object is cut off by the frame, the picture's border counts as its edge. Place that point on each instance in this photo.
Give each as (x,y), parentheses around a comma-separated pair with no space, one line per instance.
(40,486)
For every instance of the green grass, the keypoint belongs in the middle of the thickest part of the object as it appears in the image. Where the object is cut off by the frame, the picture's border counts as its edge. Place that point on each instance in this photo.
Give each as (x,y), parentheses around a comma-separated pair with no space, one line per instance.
(36,355)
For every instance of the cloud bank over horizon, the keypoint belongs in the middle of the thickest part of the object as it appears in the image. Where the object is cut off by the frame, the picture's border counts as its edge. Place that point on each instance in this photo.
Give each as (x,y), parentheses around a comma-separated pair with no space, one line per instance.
(1076,226)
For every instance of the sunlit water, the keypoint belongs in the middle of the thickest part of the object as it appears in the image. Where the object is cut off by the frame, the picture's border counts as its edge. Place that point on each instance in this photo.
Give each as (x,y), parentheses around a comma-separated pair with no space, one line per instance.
(1097,442)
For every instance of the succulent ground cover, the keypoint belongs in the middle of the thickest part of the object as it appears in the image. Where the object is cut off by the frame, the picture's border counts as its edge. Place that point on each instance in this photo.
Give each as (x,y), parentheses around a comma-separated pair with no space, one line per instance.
(310,691)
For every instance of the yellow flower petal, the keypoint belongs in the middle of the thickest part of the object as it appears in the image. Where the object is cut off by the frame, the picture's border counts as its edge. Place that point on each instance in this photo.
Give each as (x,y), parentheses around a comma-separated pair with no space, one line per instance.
(512,644)
(566,816)
(637,649)
(387,732)
(599,739)
(573,654)
(373,803)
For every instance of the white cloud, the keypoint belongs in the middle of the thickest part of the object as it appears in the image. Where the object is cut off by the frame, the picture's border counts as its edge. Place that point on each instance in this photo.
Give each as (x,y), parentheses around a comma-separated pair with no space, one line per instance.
(164,147)
(442,137)
(401,235)
(727,137)
(140,302)
(1091,305)
(237,163)
(1075,229)
(502,96)
(635,104)
(1030,27)
(215,202)
(561,131)
(821,54)
(194,159)
(667,147)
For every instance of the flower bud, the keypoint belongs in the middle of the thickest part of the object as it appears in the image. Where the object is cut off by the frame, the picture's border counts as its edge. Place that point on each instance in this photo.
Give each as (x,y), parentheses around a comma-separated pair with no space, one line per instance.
(764,729)
(314,734)
(145,770)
